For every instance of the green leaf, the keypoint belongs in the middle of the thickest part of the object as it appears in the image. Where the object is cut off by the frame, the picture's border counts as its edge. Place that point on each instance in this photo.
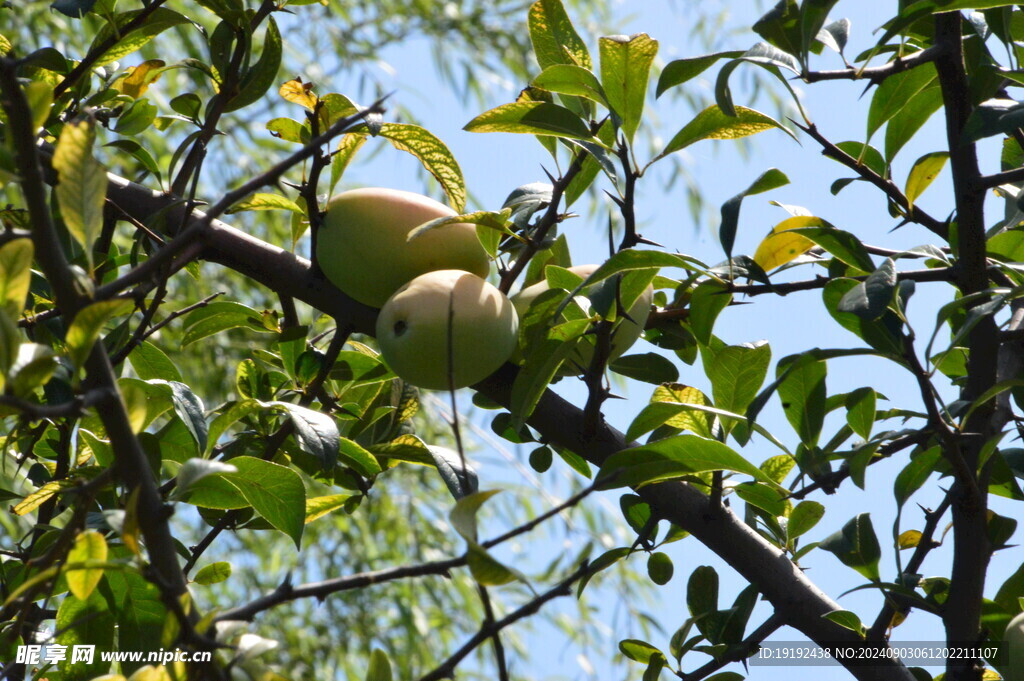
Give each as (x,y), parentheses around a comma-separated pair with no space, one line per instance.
(924,172)
(318,507)
(702,592)
(89,549)
(89,322)
(860,411)
(156,23)
(803,396)
(660,568)
(905,123)
(803,518)
(217,317)
(82,187)
(15,275)
(672,458)
(673,405)
(713,124)
(348,145)
(569,79)
(86,622)
(843,245)
(638,651)
(768,180)
(189,408)
(264,201)
(203,483)
(914,474)
(870,298)
(316,434)
(353,455)
(680,71)
(625,70)
(274,491)
(435,156)
(856,546)
(214,573)
(878,334)
(263,74)
(290,130)
(845,619)
(736,373)
(648,367)
(895,92)
(497,221)
(149,361)
(379,668)
(554,39)
(534,118)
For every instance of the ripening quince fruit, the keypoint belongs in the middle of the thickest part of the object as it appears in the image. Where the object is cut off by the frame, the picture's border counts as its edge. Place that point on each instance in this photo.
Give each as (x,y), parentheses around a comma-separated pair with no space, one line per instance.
(362,245)
(413,330)
(625,334)
(1014,639)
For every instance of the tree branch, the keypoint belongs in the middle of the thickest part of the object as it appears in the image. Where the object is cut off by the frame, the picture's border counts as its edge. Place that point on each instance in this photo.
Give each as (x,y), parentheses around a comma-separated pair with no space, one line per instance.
(913,213)
(794,595)
(876,74)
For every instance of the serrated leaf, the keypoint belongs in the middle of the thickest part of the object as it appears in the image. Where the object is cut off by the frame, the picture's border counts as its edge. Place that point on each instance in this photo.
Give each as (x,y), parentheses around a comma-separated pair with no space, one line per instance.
(89,322)
(533,118)
(625,69)
(82,188)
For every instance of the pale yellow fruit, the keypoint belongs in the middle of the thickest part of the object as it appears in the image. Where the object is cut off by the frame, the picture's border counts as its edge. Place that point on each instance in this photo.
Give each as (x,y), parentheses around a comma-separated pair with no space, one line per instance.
(1014,638)
(412,330)
(362,246)
(626,333)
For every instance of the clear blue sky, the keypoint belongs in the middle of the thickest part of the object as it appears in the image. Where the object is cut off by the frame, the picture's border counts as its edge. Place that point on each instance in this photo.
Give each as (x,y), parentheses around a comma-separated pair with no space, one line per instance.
(494,164)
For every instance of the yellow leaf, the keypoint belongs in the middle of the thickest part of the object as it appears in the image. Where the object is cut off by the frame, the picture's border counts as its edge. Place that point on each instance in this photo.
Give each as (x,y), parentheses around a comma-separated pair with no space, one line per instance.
(90,547)
(700,422)
(130,531)
(40,496)
(778,247)
(297,92)
(139,78)
(908,539)
(925,170)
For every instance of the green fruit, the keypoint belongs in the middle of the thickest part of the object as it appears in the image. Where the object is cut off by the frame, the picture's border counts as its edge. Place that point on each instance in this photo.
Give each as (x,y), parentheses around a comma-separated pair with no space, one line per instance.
(626,333)
(362,246)
(1014,639)
(413,326)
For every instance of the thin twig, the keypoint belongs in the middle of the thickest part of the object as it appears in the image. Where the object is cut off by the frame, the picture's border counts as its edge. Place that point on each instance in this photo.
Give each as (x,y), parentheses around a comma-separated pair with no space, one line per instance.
(738,652)
(876,74)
